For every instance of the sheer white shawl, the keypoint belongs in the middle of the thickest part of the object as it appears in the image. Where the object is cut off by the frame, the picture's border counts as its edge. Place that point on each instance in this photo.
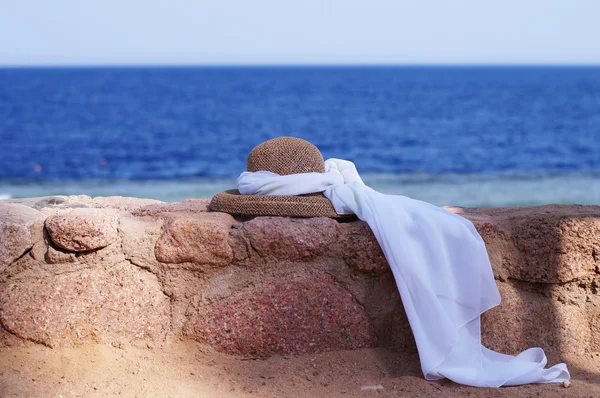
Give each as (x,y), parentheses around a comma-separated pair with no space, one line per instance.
(441,268)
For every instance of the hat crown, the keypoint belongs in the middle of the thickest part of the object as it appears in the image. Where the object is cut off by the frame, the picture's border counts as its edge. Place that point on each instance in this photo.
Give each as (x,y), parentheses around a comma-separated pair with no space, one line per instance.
(286,155)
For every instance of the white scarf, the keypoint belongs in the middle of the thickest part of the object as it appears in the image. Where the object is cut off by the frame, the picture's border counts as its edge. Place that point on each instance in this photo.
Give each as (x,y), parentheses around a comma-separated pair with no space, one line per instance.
(441,268)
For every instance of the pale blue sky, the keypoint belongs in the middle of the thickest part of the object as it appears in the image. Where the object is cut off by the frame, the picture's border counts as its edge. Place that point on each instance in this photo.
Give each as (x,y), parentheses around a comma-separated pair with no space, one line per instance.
(102,32)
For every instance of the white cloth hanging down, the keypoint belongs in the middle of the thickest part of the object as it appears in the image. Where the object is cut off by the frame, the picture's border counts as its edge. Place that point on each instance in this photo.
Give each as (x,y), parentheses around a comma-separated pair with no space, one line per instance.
(441,268)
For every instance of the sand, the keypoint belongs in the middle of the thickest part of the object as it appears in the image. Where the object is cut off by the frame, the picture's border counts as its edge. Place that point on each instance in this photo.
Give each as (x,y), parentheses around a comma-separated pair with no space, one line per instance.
(192,370)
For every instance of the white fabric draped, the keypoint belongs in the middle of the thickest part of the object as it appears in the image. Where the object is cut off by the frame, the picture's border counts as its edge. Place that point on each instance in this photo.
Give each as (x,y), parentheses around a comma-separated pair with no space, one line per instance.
(441,268)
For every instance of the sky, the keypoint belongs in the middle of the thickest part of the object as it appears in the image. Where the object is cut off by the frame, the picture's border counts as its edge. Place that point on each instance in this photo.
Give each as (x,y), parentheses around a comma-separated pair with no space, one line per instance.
(216,32)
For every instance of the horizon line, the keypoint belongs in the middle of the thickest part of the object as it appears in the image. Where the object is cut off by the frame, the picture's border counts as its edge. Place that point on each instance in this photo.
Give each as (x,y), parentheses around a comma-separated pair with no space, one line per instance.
(297,65)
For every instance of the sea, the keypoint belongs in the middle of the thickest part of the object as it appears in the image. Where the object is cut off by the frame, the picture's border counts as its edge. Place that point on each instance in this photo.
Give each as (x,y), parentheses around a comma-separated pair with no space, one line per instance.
(462,136)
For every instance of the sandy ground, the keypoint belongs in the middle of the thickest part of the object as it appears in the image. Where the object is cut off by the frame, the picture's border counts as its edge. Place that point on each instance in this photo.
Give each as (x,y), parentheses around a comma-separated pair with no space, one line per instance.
(192,370)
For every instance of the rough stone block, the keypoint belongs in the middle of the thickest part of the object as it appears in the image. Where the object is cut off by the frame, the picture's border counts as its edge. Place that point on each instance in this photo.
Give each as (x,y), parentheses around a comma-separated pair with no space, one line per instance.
(359,248)
(20,228)
(83,229)
(201,239)
(305,311)
(93,305)
(291,239)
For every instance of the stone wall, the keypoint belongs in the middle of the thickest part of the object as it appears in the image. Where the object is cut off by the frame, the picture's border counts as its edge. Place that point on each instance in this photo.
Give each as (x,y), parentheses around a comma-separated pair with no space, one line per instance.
(134,271)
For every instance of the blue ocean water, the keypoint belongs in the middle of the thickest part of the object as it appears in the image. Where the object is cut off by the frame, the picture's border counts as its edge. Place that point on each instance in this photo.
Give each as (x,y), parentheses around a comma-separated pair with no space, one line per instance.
(450,135)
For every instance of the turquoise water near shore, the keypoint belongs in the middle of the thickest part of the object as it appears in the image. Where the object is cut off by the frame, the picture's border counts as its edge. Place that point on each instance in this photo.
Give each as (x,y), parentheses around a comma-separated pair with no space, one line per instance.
(475,190)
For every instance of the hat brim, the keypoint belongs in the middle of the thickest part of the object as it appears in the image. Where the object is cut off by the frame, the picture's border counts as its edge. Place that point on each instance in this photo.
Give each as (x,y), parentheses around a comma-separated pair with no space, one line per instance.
(313,205)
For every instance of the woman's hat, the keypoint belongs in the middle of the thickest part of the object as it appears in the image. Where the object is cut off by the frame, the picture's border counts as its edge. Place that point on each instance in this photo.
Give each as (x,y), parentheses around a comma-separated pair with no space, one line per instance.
(283,156)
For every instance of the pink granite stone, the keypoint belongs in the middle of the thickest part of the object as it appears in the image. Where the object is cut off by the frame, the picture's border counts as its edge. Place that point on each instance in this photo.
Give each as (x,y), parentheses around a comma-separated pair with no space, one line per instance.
(275,285)
(83,229)
(58,256)
(528,318)
(123,203)
(399,334)
(306,311)
(93,305)
(9,340)
(138,239)
(240,245)
(291,239)
(20,228)
(201,239)
(546,244)
(187,206)
(359,248)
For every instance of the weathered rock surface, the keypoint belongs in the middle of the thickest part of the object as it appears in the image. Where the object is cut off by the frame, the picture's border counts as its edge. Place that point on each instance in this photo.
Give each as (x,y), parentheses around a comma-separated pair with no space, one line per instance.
(138,238)
(544,244)
(278,238)
(91,305)
(81,230)
(161,208)
(360,249)
(58,256)
(20,228)
(122,269)
(122,203)
(310,306)
(198,239)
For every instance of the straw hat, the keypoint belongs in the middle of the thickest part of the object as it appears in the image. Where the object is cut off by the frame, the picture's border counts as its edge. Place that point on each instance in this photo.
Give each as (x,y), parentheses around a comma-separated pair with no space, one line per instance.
(283,156)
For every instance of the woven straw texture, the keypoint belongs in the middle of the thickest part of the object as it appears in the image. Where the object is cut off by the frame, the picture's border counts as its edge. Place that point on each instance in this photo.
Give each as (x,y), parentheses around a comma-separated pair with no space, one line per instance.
(262,205)
(282,155)
(286,155)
